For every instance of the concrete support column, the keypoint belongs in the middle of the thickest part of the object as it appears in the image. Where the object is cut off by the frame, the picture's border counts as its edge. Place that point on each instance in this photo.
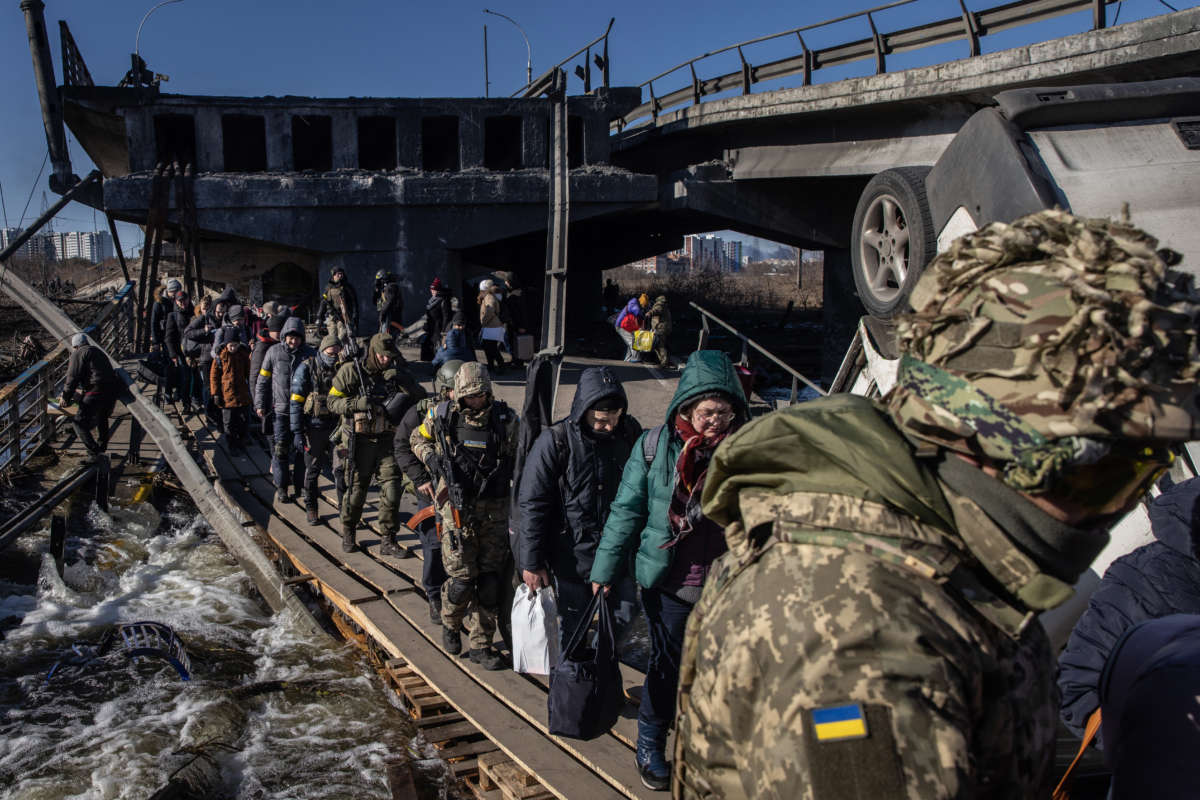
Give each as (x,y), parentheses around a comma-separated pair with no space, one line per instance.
(408,140)
(840,313)
(210,140)
(470,139)
(533,141)
(279,141)
(344,132)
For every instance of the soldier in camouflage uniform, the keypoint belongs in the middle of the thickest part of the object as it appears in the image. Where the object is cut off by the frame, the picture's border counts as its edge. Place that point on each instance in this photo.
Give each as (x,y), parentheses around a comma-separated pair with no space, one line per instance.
(419,483)
(364,392)
(468,444)
(872,630)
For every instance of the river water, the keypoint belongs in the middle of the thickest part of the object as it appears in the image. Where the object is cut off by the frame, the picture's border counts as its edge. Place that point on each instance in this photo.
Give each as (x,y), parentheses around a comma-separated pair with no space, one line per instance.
(113,728)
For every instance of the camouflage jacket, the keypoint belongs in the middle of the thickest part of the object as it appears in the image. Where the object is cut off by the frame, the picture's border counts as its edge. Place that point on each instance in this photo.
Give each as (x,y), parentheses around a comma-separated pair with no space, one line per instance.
(856,640)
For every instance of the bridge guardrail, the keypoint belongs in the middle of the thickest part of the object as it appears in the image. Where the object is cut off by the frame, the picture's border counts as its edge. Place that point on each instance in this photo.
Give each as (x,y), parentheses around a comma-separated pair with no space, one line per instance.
(968,27)
(747,343)
(25,423)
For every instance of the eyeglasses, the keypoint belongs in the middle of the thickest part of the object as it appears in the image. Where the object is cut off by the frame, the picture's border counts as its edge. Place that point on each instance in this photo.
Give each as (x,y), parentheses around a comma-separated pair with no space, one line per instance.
(713,416)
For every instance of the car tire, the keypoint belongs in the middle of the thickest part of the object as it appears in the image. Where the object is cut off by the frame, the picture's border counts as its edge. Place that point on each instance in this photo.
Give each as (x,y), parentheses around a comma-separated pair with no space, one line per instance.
(892,239)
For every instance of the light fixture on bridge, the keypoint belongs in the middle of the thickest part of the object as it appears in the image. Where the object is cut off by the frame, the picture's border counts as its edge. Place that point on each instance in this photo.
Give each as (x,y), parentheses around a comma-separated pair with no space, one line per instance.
(598,61)
(579,73)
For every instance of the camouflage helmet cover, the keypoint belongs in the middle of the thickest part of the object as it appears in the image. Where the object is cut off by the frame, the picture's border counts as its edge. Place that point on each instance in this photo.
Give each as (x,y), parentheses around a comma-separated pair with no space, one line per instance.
(472,378)
(1040,342)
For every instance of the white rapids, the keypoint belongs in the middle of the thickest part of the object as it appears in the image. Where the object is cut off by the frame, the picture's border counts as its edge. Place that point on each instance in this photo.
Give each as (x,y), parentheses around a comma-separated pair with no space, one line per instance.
(116,729)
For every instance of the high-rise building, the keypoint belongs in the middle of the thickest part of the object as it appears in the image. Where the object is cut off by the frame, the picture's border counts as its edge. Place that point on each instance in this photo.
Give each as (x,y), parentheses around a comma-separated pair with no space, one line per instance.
(733,256)
(90,246)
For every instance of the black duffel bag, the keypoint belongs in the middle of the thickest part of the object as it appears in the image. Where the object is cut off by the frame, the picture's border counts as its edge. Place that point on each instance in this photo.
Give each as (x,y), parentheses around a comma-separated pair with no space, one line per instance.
(586,692)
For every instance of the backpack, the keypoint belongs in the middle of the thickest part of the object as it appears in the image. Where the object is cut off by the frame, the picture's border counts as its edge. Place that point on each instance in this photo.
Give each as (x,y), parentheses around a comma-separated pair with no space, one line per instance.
(650,443)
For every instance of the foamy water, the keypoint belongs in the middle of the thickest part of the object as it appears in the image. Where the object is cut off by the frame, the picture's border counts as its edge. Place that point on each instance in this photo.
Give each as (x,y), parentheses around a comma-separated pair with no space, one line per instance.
(112,729)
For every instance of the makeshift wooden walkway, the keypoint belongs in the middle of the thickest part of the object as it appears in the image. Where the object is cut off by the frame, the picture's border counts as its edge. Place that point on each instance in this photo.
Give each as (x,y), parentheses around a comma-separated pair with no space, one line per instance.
(490,726)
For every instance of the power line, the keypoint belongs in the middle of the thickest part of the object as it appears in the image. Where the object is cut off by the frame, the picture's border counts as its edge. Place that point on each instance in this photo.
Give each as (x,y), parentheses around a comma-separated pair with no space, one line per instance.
(33,188)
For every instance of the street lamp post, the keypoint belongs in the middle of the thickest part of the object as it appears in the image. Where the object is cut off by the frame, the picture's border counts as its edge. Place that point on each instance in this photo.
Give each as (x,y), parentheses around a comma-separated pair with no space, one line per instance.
(528,50)
(137,39)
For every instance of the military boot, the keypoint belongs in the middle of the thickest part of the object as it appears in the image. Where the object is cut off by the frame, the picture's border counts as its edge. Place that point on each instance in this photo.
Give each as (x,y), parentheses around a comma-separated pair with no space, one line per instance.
(391,547)
(312,515)
(435,608)
(348,545)
(487,658)
(451,640)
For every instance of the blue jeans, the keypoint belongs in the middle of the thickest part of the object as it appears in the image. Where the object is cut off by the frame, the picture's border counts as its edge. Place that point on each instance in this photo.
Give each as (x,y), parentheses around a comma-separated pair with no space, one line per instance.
(573,596)
(667,617)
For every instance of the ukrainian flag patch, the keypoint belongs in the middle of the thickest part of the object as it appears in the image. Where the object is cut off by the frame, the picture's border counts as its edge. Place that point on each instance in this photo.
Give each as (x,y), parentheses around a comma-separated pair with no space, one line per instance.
(838,723)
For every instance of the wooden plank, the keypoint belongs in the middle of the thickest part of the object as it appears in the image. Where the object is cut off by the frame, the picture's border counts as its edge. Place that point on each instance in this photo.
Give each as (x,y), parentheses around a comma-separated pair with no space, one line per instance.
(528,747)
(468,749)
(326,575)
(609,755)
(454,730)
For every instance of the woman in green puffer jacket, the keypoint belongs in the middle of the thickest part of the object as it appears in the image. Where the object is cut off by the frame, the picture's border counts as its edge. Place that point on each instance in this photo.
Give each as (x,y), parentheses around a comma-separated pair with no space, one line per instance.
(657,509)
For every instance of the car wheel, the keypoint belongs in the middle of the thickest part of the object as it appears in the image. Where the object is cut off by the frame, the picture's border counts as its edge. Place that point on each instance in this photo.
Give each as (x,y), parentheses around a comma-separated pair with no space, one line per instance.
(892,239)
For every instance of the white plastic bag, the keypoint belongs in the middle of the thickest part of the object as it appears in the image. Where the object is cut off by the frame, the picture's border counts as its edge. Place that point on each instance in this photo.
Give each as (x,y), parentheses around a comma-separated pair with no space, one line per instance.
(534,630)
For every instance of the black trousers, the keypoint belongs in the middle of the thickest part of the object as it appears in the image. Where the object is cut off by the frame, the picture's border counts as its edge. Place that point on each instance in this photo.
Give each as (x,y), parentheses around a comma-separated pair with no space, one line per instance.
(94,412)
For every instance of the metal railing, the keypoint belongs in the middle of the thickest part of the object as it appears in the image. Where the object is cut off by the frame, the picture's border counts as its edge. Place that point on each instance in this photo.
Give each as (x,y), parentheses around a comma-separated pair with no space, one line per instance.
(747,343)
(968,27)
(545,81)
(25,422)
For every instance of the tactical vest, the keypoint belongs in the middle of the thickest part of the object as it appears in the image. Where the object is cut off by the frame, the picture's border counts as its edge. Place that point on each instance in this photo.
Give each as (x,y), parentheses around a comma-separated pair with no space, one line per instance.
(335,294)
(317,404)
(474,453)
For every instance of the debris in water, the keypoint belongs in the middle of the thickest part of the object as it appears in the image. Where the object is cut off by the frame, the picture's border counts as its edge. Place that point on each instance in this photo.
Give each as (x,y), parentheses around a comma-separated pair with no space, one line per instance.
(136,640)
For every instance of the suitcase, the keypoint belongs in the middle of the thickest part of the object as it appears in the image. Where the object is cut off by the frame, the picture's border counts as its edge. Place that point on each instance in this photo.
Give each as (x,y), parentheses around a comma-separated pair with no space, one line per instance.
(524,347)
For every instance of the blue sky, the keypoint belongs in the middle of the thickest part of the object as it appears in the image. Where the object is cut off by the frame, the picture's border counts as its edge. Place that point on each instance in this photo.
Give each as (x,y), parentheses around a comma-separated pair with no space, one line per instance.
(425,49)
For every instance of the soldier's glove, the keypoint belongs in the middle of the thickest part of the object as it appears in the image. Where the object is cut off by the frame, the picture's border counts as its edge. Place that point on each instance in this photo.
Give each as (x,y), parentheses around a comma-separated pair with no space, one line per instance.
(298,441)
(362,403)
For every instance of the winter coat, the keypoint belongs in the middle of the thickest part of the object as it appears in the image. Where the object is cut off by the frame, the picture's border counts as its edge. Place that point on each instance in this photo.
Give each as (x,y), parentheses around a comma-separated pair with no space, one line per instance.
(1155,580)
(199,341)
(569,481)
(259,345)
(163,306)
(438,311)
(456,347)
(90,371)
(311,376)
(489,312)
(177,322)
(402,451)
(229,378)
(228,332)
(631,309)
(512,309)
(638,516)
(274,386)
(228,297)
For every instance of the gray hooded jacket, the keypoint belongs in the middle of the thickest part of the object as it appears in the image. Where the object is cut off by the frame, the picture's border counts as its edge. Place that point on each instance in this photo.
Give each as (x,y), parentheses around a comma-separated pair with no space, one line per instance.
(273,384)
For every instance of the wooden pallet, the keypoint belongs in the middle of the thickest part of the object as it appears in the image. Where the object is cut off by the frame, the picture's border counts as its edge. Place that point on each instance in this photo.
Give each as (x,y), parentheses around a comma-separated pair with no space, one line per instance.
(500,778)
(422,699)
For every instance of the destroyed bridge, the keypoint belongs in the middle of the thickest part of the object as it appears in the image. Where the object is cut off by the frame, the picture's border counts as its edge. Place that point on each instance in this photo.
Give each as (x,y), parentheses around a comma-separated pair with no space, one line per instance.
(271,192)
